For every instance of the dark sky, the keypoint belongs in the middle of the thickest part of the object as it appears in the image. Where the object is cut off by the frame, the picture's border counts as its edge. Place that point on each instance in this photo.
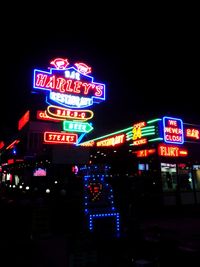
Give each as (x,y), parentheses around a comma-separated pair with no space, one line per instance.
(148,59)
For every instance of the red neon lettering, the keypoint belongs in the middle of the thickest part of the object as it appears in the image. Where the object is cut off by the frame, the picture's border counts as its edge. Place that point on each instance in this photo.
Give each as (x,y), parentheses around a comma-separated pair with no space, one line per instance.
(51,137)
(173,123)
(68,85)
(171,151)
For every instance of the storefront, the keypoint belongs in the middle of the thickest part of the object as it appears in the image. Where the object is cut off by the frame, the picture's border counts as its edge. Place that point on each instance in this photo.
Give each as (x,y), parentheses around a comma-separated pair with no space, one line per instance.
(162,152)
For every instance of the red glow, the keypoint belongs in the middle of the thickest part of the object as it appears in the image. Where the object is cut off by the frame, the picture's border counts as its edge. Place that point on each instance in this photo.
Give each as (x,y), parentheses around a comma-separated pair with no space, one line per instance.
(24,119)
(60,138)
(83,68)
(10,161)
(144,152)
(1,144)
(60,63)
(171,151)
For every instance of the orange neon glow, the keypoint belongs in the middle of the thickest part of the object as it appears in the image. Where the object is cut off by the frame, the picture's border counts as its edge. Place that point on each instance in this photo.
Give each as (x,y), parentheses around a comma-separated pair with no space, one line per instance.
(60,138)
(24,119)
(112,141)
(193,133)
(140,142)
(140,124)
(12,144)
(64,113)
(91,143)
(171,151)
(144,152)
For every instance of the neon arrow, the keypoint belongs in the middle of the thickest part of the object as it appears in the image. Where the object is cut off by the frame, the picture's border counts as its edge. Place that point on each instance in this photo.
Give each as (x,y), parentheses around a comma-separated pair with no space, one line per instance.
(76,126)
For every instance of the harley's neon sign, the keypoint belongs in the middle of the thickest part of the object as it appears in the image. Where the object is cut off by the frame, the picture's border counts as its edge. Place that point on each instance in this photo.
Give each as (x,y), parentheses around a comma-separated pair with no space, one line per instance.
(70,87)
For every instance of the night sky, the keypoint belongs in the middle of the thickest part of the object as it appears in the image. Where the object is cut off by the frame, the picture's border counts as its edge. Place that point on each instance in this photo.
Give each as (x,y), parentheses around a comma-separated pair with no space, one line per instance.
(148,61)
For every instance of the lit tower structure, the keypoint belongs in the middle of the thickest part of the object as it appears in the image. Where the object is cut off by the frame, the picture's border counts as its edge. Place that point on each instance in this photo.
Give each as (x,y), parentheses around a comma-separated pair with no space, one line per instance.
(99,204)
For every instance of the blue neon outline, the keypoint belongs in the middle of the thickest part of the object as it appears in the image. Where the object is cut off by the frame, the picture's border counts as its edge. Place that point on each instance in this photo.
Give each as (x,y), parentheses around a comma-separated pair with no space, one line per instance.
(181,122)
(52,102)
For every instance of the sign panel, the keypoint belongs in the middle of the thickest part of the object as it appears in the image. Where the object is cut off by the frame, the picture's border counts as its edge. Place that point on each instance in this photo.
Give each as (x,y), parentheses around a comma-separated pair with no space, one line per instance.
(70,87)
(76,126)
(173,130)
(60,138)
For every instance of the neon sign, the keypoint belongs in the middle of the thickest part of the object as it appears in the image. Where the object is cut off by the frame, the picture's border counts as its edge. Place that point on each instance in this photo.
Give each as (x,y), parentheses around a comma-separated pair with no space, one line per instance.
(60,138)
(173,130)
(76,126)
(171,151)
(63,113)
(42,115)
(112,141)
(137,134)
(69,86)
(193,133)
(144,152)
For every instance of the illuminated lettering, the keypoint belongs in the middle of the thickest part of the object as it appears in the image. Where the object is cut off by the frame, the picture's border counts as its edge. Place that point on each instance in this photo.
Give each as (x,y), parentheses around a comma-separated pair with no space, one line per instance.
(171,151)
(140,142)
(63,113)
(72,74)
(70,100)
(173,130)
(112,141)
(46,81)
(63,138)
(194,133)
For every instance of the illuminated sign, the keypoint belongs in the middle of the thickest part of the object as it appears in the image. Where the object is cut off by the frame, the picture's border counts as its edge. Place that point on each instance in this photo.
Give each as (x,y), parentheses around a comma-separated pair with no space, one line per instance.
(24,119)
(88,144)
(137,134)
(192,133)
(140,142)
(63,113)
(171,151)
(144,152)
(60,138)
(42,115)
(69,86)
(76,126)
(112,141)
(173,130)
